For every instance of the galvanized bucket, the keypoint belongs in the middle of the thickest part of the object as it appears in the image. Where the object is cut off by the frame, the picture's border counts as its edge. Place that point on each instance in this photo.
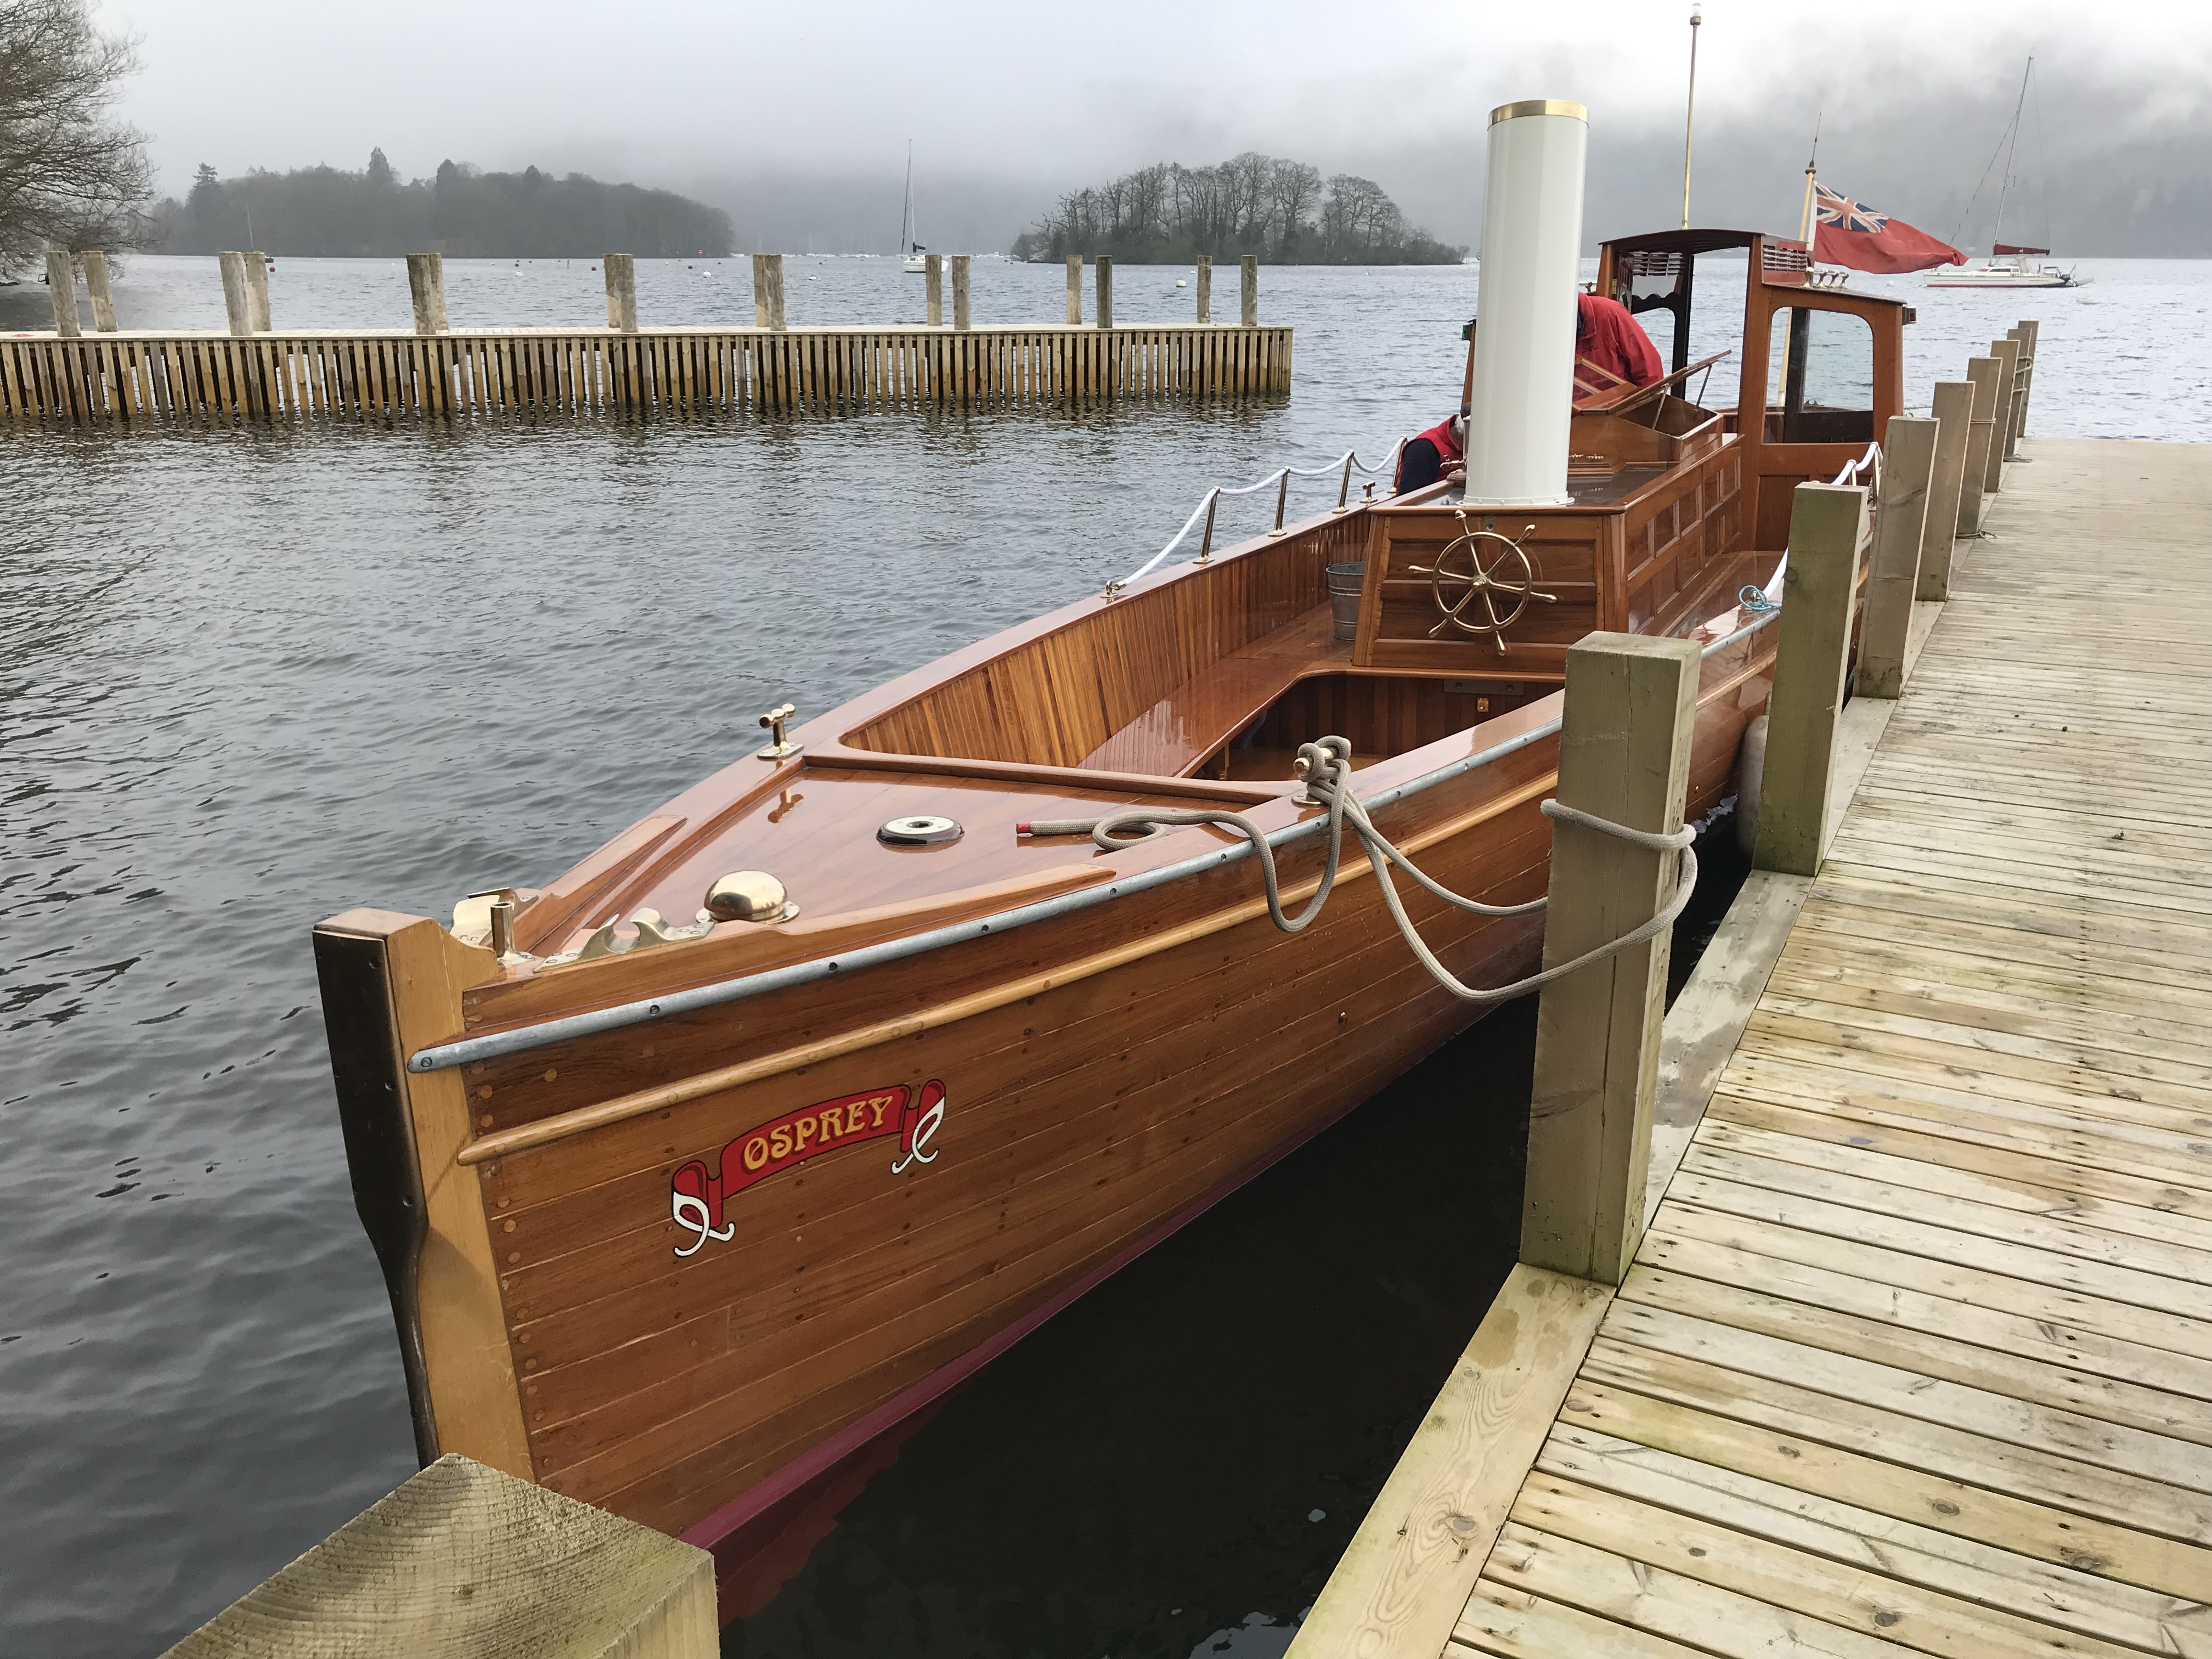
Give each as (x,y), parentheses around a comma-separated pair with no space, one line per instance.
(1345,581)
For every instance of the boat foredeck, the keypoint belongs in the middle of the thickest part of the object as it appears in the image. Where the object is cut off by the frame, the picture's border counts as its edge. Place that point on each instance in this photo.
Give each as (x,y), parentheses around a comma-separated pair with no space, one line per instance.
(1917,1353)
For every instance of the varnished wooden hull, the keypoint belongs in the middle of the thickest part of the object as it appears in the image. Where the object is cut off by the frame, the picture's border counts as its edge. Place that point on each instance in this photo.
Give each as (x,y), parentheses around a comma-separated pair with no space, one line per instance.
(675,1267)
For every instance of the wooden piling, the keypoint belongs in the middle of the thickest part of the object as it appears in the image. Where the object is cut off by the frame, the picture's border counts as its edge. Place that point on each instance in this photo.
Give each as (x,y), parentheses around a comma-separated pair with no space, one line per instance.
(934,281)
(767,290)
(1908,458)
(1074,290)
(257,291)
(621,270)
(960,318)
(2026,331)
(426,286)
(61,289)
(1953,412)
(1205,283)
(1250,264)
(1104,263)
(96,285)
(462,1562)
(1624,757)
(1986,375)
(237,306)
(1827,524)
(2006,352)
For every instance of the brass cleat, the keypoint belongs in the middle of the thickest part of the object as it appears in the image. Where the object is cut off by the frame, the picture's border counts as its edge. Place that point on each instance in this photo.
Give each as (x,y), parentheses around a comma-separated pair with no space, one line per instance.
(778,746)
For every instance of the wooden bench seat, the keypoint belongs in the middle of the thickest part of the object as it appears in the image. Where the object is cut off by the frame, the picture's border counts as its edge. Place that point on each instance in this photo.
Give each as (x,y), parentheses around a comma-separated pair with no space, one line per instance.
(1173,738)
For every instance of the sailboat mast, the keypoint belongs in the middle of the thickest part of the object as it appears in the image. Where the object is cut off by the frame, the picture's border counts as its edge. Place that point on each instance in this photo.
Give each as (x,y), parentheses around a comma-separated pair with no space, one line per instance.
(906,209)
(2005,183)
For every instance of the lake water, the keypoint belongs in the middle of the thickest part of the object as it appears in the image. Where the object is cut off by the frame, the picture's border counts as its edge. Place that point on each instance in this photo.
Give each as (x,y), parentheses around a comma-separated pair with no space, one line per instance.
(250,679)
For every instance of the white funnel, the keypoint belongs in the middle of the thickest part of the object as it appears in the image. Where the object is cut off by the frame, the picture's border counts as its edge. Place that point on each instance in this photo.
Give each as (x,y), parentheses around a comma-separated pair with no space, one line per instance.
(1524,346)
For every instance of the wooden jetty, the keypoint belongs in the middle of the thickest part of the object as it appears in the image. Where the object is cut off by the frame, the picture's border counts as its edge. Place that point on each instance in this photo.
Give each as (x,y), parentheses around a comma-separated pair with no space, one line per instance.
(1915,1353)
(255,371)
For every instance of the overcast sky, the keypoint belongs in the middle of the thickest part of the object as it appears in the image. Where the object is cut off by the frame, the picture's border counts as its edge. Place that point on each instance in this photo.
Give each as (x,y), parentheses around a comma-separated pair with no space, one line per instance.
(1008,103)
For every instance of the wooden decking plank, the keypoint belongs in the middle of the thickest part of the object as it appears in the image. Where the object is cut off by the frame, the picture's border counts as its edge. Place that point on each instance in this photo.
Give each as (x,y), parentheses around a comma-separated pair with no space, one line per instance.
(2066,1311)
(1902,1490)
(1855,1044)
(1988,973)
(1954,1178)
(2172,1140)
(1515,1624)
(2048,1480)
(1738,1594)
(1993,1250)
(1931,1376)
(2051,1017)
(1959,1202)
(1882,1544)
(2047,1164)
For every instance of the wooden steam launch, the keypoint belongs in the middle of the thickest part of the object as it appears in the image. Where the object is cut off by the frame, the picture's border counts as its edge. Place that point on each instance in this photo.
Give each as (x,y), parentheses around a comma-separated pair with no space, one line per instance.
(676,1217)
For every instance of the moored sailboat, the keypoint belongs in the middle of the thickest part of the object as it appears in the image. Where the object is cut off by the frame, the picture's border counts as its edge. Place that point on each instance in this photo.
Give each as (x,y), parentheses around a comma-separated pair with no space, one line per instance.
(676,1217)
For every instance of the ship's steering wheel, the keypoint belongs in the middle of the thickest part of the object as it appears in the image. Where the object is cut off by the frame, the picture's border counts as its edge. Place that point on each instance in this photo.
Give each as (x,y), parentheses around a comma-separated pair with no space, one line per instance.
(1497,569)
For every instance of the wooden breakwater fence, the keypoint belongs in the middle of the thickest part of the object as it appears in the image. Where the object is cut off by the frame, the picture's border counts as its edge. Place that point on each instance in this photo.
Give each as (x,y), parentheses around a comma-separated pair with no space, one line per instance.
(252,371)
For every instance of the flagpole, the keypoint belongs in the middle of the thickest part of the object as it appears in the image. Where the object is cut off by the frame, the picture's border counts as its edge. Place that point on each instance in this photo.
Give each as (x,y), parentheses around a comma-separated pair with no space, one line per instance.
(1690,113)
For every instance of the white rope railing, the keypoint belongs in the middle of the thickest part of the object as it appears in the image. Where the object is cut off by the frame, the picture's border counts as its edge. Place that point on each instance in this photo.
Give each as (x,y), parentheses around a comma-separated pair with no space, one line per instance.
(1344,464)
(1770,596)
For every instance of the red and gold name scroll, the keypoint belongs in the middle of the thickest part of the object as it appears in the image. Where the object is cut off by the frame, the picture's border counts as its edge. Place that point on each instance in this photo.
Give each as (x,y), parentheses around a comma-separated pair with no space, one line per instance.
(698,1193)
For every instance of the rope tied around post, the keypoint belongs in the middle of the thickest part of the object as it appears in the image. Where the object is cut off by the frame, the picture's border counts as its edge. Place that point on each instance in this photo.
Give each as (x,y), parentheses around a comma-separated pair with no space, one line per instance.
(1325,766)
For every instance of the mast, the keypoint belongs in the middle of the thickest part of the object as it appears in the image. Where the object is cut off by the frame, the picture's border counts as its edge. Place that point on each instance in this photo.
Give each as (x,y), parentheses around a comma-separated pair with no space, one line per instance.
(2005,184)
(1811,165)
(1690,113)
(906,212)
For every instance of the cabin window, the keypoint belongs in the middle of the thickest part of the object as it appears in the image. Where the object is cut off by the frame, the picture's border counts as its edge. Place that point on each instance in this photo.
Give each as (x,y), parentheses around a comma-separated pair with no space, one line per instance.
(1820,378)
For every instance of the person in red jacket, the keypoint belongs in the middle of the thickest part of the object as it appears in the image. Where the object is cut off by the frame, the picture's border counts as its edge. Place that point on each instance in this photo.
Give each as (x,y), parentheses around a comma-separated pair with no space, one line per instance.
(1605,334)
(1437,453)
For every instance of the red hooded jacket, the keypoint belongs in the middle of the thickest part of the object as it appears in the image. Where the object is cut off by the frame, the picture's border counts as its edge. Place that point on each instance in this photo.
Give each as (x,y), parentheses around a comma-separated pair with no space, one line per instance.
(1610,337)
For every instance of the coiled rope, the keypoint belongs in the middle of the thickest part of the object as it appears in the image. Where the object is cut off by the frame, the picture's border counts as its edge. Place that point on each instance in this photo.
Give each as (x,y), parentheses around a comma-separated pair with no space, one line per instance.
(1326,765)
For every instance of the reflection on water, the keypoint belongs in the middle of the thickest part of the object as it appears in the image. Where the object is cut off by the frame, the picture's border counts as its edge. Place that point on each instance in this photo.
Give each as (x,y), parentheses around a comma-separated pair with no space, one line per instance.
(248,679)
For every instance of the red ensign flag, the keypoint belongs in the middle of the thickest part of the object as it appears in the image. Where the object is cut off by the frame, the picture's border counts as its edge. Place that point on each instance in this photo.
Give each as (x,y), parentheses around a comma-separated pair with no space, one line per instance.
(1848,232)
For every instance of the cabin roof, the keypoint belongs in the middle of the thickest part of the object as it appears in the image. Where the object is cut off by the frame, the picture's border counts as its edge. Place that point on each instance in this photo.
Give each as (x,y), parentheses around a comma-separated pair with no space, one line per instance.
(1685,241)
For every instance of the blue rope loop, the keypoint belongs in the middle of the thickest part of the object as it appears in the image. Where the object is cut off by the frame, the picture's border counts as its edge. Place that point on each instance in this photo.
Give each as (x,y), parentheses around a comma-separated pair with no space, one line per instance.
(1754,599)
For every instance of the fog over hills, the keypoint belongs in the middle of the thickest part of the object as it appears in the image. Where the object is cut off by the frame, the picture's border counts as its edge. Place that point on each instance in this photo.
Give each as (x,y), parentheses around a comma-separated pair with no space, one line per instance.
(796,120)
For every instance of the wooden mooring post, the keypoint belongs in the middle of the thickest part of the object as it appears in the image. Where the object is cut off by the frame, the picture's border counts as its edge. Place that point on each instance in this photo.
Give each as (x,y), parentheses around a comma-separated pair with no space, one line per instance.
(1623,756)
(257,291)
(621,291)
(426,287)
(462,1562)
(97,288)
(237,305)
(1953,409)
(1074,290)
(933,279)
(1820,591)
(768,292)
(1908,454)
(1986,373)
(61,289)
(1250,265)
(2006,352)
(1103,265)
(1204,283)
(960,317)
(2026,331)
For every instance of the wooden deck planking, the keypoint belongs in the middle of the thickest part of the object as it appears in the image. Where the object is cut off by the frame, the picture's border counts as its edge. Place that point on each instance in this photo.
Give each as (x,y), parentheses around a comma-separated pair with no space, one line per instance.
(1917,1354)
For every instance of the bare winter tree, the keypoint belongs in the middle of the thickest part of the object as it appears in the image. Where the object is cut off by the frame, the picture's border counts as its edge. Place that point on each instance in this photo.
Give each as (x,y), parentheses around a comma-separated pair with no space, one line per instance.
(70,174)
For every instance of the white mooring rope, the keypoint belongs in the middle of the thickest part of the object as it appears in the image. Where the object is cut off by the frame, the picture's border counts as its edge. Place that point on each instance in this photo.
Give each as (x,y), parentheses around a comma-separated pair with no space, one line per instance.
(1326,765)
